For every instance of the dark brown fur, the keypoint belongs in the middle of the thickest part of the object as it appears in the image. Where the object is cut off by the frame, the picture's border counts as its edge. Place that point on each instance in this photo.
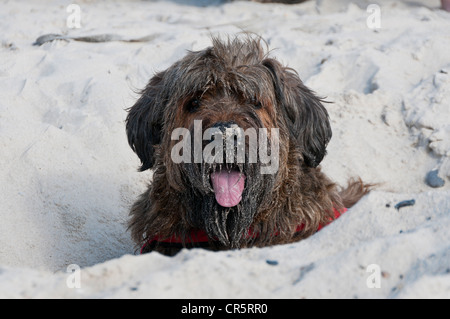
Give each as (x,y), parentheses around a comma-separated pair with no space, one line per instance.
(237,81)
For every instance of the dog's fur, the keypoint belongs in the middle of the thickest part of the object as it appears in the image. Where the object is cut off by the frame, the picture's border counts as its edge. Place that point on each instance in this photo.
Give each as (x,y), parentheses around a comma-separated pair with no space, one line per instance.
(234,81)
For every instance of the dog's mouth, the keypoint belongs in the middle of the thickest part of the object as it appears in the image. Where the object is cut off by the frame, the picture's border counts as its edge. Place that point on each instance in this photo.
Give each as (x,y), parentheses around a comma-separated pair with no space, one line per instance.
(228,185)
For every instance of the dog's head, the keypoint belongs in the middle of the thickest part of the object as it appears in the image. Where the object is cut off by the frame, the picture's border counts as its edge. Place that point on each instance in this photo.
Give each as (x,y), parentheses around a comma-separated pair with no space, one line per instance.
(217,120)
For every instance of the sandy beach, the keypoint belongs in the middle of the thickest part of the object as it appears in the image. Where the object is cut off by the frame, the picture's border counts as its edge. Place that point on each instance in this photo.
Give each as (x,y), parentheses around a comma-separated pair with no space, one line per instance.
(68,176)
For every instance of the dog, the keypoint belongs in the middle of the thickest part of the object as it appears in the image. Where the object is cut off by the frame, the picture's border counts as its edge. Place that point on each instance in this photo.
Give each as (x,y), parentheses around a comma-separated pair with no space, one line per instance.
(232,85)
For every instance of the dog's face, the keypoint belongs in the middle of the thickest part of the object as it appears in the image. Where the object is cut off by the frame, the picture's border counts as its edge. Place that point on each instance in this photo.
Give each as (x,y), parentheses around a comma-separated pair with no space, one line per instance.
(210,118)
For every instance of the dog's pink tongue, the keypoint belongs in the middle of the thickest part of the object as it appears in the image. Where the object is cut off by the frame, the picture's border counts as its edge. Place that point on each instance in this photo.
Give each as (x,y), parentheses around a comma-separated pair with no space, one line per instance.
(228,187)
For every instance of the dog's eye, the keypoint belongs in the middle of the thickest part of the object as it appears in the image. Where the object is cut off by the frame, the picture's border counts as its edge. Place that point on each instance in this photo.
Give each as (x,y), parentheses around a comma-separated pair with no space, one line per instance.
(193,105)
(256,103)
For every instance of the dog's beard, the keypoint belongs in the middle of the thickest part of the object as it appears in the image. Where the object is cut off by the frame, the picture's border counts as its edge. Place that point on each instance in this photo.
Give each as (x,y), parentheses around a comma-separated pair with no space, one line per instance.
(228,225)
(225,198)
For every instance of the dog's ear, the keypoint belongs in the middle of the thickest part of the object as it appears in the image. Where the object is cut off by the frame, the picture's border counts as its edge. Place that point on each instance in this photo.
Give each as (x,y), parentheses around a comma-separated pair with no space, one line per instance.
(145,120)
(306,117)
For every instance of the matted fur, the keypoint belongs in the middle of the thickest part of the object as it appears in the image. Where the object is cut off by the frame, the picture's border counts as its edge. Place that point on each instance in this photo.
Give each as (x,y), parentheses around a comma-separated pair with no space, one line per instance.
(234,81)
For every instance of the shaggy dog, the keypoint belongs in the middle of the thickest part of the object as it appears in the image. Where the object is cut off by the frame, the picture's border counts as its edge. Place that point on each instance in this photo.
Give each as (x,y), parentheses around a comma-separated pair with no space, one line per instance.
(226,204)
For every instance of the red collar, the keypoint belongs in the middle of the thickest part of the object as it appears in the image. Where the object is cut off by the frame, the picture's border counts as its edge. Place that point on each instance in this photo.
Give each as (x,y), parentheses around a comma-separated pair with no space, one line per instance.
(198,236)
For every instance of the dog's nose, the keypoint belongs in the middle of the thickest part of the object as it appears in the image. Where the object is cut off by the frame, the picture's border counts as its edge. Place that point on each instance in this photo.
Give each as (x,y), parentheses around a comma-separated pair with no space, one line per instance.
(231,126)
(222,126)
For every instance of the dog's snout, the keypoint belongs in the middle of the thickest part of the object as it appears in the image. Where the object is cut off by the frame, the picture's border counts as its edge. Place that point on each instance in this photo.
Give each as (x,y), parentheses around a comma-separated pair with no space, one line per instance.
(226,128)
(222,126)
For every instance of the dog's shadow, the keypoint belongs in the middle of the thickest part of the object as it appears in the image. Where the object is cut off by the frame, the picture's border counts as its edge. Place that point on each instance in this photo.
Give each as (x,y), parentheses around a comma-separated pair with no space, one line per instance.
(80,218)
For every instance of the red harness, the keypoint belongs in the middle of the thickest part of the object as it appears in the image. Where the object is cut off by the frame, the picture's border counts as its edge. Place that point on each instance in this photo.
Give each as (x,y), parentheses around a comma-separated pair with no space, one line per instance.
(198,236)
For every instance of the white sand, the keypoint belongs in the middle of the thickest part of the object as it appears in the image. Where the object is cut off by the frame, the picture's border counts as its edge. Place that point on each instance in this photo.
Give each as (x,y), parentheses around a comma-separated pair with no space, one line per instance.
(68,175)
